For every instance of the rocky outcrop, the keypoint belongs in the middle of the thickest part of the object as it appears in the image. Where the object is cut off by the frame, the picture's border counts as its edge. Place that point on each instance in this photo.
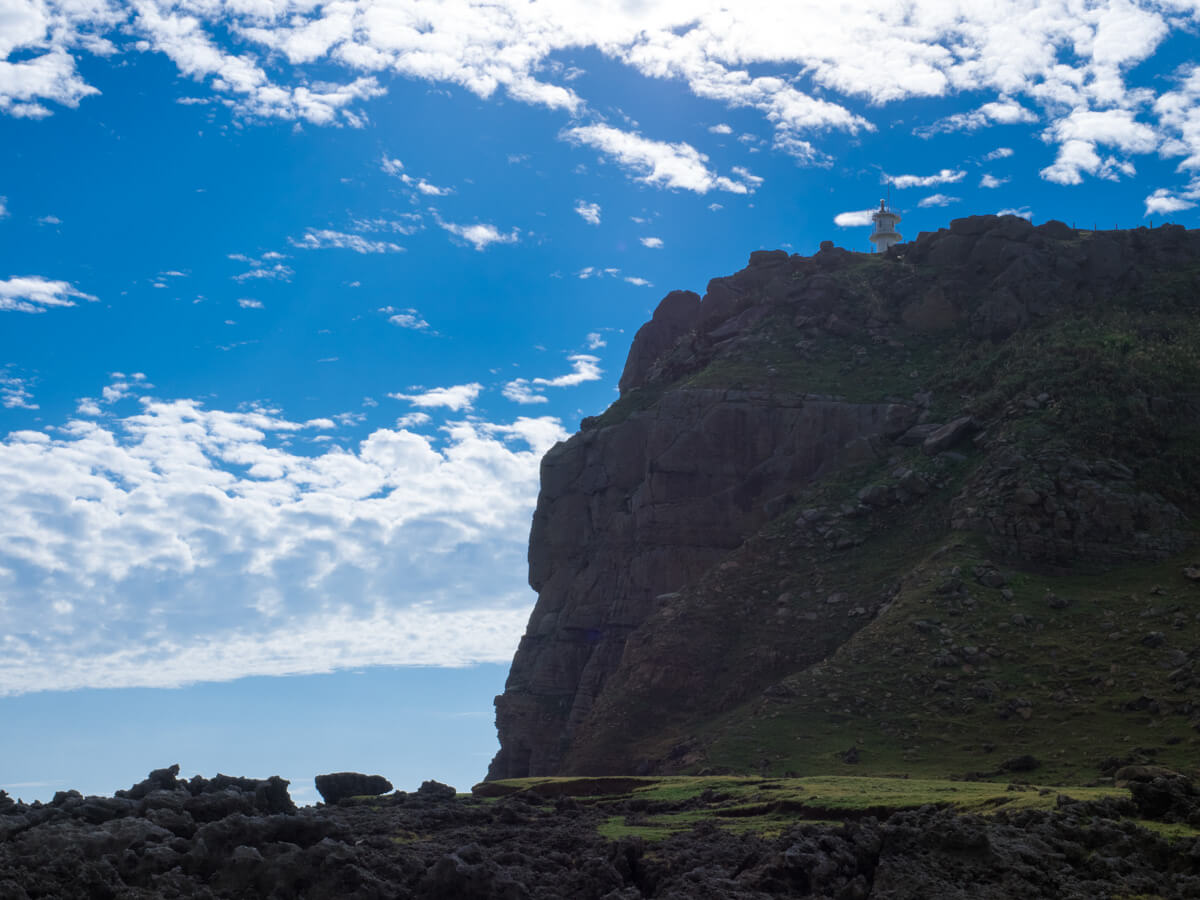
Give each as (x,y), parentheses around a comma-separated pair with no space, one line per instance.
(719,429)
(523,846)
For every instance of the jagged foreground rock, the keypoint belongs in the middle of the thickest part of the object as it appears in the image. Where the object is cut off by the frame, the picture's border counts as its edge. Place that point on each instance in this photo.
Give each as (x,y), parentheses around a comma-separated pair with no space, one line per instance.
(172,839)
(731,521)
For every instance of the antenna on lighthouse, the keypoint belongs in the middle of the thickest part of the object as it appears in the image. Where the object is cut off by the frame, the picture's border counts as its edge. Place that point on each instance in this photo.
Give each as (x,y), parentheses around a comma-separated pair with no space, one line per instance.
(885,233)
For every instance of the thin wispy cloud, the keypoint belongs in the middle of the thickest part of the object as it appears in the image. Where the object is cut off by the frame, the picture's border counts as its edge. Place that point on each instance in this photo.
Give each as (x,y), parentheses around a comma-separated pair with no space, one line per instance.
(325,238)
(937,200)
(654,243)
(945,176)
(663,164)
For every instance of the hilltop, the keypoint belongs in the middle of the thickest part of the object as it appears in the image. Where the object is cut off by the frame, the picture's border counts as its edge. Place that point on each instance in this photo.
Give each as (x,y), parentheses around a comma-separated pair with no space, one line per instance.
(925,512)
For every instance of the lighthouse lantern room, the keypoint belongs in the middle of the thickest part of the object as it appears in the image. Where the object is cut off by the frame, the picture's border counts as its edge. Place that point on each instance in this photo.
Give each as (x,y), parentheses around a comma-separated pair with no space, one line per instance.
(885,233)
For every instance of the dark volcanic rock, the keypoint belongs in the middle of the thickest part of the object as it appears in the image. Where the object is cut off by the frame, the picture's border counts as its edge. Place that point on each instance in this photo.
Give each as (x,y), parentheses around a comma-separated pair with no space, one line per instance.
(404,846)
(339,785)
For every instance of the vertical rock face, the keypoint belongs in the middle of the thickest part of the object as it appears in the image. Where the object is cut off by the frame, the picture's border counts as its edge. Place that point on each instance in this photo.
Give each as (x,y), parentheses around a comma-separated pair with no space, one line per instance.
(638,509)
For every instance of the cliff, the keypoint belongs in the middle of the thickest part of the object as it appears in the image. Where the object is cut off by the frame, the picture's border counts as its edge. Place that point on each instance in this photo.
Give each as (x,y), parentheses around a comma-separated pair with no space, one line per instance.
(824,450)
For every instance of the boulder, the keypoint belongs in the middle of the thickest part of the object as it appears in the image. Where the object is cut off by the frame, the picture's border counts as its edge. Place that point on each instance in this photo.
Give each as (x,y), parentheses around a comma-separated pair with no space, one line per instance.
(337,786)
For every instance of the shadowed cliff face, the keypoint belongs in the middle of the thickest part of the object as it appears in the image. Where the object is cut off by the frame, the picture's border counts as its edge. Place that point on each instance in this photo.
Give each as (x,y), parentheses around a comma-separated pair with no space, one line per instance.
(785,375)
(637,510)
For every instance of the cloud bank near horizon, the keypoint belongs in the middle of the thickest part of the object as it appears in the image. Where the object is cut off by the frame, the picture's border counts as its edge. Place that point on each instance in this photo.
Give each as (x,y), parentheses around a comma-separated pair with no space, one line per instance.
(177,543)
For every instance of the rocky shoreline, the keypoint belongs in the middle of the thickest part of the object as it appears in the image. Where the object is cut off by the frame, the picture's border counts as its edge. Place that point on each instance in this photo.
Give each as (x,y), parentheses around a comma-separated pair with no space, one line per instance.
(237,837)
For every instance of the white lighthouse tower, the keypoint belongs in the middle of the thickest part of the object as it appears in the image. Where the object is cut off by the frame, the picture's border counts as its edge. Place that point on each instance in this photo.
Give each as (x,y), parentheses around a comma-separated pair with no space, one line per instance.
(885,233)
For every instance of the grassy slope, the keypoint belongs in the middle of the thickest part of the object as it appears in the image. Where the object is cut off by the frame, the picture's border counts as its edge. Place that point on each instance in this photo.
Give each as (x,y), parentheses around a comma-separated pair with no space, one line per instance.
(655,808)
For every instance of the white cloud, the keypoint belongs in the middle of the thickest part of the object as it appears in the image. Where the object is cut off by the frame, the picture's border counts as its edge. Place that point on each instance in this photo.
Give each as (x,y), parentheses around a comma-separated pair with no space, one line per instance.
(247,303)
(1083,131)
(991,181)
(999,153)
(183,544)
(1001,112)
(266,267)
(638,281)
(455,398)
(3,207)
(34,294)
(1024,212)
(49,220)
(391,166)
(595,340)
(653,243)
(322,238)
(14,391)
(938,200)
(658,163)
(1164,202)
(589,212)
(408,223)
(945,176)
(424,187)
(413,420)
(406,318)
(853,219)
(519,390)
(584,368)
(480,235)
(722,128)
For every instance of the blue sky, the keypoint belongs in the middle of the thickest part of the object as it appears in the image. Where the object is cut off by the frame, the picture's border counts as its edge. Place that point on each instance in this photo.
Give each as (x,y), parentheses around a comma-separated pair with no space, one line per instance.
(293,297)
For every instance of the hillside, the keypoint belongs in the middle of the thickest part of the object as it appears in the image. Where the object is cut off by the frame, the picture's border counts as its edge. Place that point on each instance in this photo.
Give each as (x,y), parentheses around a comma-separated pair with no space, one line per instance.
(931,512)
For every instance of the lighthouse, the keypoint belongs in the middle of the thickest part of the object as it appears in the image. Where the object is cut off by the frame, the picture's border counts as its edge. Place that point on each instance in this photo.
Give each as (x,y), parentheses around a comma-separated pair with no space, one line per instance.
(885,233)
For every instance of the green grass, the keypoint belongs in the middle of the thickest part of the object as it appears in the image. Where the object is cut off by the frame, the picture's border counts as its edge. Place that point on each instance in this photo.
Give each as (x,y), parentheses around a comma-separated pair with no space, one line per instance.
(665,806)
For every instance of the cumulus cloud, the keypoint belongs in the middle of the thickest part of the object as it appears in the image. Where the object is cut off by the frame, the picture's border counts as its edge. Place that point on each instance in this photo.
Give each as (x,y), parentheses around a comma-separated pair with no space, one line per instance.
(324,63)
(182,544)
(937,200)
(678,166)
(1081,133)
(265,267)
(480,235)
(999,153)
(322,238)
(991,181)
(456,398)
(595,340)
(247,303)
(589,212)
(638,281)
(721,128)
(1164,202)
(34,294)
(945,176)
(854,218)
(654,243)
